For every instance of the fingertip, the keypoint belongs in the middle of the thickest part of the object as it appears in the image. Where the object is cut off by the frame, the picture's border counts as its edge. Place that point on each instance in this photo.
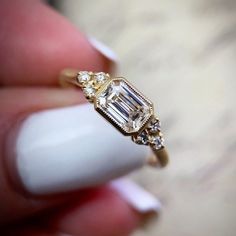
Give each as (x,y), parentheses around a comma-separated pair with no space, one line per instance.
(38,43)
(102,214)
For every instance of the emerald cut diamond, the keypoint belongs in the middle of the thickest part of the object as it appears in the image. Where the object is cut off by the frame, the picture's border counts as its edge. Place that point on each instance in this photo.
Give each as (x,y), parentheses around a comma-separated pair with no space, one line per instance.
(127,108)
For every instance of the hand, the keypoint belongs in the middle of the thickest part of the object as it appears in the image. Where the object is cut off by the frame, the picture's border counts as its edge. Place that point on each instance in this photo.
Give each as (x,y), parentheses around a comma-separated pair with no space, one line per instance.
(39,188)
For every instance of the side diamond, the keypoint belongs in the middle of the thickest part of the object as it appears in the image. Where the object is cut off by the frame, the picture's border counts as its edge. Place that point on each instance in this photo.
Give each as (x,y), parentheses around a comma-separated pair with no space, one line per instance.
(154,126)
(141,138)
(151,135)
(157,142)
(83,77)
(100,77)
(89,92)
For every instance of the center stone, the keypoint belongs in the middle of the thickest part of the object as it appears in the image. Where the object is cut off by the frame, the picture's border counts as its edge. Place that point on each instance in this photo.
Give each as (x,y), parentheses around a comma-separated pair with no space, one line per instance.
(124,105)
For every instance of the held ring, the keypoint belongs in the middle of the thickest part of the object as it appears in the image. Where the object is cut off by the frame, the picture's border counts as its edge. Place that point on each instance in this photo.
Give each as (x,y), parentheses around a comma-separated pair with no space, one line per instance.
(120,103)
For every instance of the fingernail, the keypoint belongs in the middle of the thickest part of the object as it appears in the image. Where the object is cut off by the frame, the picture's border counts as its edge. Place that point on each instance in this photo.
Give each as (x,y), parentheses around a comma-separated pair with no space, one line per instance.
(137,197)
(71,148)
(107,52)
(142,201)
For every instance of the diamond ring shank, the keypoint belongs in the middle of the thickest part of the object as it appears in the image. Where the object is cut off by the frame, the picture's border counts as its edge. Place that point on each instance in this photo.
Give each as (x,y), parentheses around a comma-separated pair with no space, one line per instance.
(123,106)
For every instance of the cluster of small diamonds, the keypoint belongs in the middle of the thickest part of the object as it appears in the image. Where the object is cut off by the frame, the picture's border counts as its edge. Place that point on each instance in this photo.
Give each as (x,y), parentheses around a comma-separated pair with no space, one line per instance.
(151,135)
(90,82)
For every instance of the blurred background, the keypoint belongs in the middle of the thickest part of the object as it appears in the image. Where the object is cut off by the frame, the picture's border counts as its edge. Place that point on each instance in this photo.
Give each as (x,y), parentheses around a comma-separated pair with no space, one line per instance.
(183,56)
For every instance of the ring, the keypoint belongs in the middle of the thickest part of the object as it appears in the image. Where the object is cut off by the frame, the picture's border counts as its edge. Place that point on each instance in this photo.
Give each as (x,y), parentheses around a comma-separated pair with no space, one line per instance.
(120,103)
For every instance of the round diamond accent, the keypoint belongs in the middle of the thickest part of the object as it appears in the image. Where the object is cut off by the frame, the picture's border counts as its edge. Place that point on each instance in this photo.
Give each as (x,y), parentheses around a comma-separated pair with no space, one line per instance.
(100,77)
(157,142)
(89,92)
(141,138)
(154,126)
(83,77)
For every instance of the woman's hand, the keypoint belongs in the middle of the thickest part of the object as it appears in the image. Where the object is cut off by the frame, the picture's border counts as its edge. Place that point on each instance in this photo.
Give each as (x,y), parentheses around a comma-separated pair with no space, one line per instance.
(36,44)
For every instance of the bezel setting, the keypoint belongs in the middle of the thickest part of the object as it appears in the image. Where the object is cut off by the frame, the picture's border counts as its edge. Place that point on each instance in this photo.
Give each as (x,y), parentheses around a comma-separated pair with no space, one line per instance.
(123,105)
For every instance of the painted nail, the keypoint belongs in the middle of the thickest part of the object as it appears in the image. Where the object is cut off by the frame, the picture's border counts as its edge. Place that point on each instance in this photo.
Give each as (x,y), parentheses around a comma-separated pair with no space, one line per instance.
(107,53)
(146,204)
(71,148)
(137,197)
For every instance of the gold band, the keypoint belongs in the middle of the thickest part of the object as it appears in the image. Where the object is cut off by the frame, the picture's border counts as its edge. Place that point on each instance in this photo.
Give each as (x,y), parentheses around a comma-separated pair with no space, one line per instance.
(123,106)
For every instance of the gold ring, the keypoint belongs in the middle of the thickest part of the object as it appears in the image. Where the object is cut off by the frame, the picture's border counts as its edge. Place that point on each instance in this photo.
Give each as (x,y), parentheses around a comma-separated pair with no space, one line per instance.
(123,106)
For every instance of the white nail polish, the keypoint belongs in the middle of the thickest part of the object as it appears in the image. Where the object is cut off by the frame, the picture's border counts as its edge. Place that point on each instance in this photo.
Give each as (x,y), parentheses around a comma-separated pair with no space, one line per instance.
(71,148)
(136,196)
(103,49)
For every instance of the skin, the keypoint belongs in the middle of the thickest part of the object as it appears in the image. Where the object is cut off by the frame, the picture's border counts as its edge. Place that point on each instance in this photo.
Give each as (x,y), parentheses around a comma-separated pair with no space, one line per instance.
(36,44)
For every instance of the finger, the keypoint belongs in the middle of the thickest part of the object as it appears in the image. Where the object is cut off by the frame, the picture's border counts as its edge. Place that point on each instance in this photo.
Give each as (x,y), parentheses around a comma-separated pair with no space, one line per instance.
(117,209)
(55,150)
(37,43)
(112,211)
(102,214)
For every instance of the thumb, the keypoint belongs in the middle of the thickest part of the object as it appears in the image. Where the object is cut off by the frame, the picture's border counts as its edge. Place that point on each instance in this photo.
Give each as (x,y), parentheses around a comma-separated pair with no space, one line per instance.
(45,149)
(37,43)
(55,151)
